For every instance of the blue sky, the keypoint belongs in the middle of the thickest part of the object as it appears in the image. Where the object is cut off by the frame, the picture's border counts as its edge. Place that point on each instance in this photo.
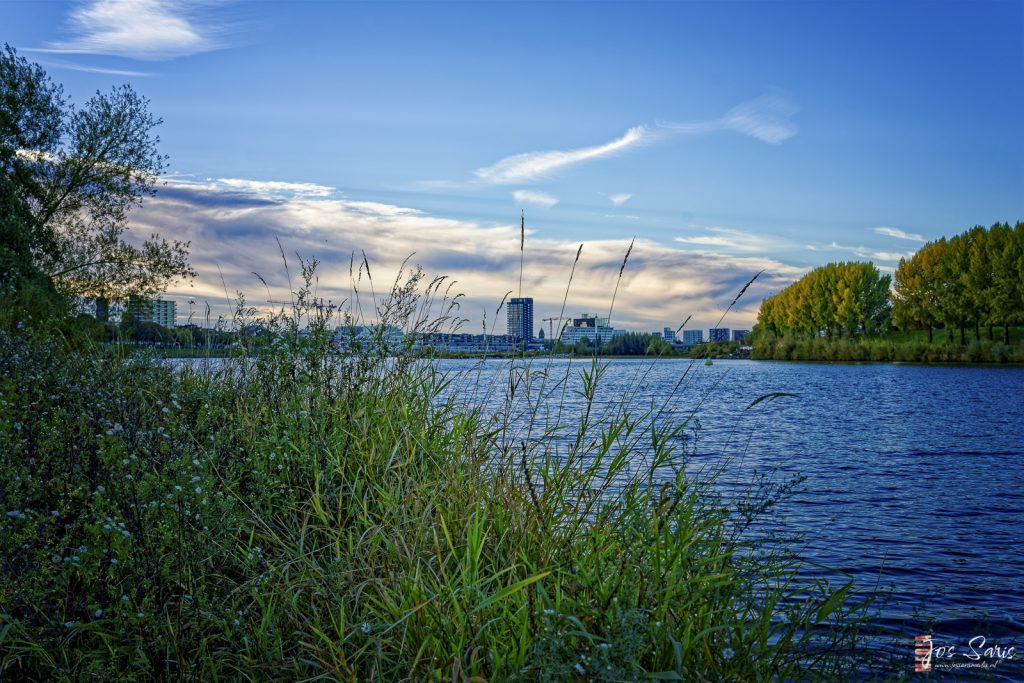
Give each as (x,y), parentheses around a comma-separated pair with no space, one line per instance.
(727,137)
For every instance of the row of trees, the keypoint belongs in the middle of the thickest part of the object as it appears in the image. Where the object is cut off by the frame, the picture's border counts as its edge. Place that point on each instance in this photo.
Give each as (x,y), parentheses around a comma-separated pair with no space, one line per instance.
(831,300)
(971,280)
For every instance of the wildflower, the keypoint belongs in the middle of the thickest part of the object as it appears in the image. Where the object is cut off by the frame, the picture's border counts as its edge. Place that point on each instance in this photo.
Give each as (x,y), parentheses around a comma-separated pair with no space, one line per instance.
(98,613)
(199,489)
(69,624)
(113,561)
(55,559)
(124,598)
(365,627)
(141,615)
(235,622)
(728,653)
(580,670)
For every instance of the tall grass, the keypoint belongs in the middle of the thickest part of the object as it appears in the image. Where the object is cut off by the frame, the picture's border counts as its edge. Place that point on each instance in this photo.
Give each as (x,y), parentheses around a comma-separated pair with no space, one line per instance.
(292,513)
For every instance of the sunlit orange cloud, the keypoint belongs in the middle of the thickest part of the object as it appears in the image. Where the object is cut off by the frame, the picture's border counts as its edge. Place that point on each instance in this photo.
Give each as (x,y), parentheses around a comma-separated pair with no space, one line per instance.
(240,228)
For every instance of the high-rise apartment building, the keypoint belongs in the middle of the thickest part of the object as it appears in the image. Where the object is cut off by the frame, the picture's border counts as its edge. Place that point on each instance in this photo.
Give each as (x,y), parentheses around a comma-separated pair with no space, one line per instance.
(159,311)
(520,318)
(691,337)
(740,335)
(718,334)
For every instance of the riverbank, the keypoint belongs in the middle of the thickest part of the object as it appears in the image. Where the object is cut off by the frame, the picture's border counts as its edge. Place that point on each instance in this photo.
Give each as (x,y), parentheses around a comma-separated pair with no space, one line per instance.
(301,515)
(909,346)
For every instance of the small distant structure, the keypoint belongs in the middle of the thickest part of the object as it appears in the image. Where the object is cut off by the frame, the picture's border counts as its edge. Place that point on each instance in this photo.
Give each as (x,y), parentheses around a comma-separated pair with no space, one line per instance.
(669,335)
(740,335)
(718,334)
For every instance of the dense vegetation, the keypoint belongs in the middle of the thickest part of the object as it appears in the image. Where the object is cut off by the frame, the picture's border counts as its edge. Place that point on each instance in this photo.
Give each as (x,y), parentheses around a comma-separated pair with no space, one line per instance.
(847,311)
(291,513)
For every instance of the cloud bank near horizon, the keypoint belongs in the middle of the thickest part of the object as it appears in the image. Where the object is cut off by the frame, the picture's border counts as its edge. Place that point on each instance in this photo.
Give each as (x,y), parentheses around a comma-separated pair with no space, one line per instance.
(235,226)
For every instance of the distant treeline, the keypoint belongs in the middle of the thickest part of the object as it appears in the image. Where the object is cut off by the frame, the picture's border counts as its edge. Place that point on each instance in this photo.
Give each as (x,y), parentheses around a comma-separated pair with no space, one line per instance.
(969,281)
(628,344)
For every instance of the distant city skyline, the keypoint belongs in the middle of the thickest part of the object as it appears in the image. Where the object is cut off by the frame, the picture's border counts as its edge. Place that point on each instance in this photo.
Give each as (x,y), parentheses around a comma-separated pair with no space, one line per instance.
(728,138)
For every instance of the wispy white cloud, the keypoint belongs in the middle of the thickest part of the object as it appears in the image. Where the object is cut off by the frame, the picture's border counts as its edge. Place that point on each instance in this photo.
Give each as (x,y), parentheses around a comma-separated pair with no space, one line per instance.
(233,226)
(139,29)
(535,198)
(75,66)
(620,199)
(861,251)
(898,234)
(735,240)
(276,187)
(891,255)
(765,118)
(534,165)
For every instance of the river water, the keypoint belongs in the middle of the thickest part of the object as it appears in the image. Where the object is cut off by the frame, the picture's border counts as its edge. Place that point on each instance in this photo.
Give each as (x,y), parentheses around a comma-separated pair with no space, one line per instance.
(914,474)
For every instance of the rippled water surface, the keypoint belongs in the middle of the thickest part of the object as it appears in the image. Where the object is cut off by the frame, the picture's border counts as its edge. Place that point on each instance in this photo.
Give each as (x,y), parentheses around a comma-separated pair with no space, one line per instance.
(914,474)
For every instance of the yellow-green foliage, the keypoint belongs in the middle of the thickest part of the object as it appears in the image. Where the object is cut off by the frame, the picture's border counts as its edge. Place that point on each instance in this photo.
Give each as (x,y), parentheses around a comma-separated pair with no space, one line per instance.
(829,300)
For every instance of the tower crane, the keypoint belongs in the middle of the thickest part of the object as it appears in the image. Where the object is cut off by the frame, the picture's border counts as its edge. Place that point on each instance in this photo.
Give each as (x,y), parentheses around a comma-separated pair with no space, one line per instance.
(551,325)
